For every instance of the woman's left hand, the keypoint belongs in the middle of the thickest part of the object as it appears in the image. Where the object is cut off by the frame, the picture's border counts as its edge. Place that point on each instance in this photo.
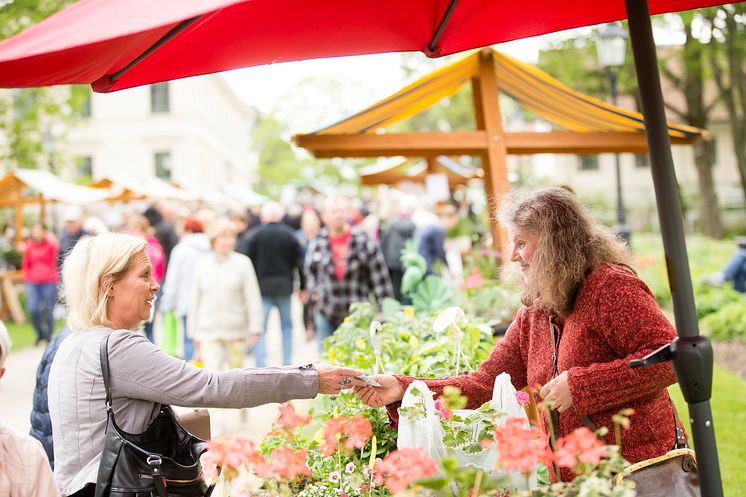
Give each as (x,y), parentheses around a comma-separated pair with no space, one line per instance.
(557,392)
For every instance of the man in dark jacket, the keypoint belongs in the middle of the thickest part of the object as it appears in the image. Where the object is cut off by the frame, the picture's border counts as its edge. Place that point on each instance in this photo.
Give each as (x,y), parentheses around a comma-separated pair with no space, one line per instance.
(276,255)
(41,425)
(393,239)
(71,233)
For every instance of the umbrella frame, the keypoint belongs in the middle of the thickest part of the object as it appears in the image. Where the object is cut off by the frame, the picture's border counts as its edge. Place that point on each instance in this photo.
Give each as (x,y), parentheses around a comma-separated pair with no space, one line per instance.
(690,352)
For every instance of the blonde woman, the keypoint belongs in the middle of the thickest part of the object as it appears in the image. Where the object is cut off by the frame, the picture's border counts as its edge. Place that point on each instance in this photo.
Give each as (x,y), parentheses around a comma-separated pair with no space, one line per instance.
(579,292)
(109,289)
(226,305)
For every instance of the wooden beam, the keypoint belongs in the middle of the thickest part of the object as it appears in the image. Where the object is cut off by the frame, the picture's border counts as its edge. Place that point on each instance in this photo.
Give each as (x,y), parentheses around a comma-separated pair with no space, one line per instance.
(494,156)
(475,143)
(391,144)
(569,142)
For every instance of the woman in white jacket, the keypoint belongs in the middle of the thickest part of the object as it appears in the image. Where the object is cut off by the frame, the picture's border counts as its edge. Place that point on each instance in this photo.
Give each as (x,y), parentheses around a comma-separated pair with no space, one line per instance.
(226,305)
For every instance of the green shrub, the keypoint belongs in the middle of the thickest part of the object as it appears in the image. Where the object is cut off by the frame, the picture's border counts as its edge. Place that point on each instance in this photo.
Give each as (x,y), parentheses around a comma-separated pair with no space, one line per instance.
(728,323)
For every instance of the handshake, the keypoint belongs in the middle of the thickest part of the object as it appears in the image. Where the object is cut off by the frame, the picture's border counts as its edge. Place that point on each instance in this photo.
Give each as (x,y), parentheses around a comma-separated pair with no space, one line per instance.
(375,391)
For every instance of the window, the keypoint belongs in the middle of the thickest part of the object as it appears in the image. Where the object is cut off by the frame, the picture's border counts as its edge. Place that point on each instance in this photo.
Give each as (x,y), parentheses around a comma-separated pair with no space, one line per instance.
(163,165)
(159,98)
(588,162)
(642,161)
(84,166)
(86,108)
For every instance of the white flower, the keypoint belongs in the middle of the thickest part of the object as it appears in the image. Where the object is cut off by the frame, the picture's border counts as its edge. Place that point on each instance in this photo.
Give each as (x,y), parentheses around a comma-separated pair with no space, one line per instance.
(350,468)
(594,486)
(334,476)
(367,471)
(448,318)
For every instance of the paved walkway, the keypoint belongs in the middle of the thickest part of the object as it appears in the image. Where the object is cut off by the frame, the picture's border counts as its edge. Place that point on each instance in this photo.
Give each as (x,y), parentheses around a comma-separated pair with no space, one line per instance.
(17,386)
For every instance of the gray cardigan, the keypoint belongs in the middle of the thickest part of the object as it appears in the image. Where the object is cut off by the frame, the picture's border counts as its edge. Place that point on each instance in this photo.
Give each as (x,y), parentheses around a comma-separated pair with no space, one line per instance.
(142,378)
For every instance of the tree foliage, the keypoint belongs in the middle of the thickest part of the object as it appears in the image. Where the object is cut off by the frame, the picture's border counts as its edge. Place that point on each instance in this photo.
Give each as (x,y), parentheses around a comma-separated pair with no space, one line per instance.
(27,114)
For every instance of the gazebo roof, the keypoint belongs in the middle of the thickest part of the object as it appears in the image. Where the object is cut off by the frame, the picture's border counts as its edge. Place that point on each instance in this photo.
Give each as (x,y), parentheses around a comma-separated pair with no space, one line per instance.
(532,88)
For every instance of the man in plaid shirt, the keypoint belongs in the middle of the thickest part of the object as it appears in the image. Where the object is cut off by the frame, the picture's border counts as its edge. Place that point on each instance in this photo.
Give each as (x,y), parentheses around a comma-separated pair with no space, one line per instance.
(343,265)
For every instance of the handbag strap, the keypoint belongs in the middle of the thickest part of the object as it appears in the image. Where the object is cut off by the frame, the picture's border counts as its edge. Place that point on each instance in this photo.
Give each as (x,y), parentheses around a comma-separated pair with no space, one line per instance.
(104,357)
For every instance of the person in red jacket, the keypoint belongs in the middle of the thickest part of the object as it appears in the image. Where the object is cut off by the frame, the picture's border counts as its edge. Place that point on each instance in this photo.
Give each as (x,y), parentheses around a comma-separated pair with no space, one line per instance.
(575,278)
(40,273)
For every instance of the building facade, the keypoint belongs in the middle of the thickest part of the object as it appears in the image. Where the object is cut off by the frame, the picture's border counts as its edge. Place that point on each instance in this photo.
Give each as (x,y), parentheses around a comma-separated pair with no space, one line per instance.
(194,132)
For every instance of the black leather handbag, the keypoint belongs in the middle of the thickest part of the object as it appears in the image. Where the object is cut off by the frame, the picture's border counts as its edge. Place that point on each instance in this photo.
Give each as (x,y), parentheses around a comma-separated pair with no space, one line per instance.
(163,461)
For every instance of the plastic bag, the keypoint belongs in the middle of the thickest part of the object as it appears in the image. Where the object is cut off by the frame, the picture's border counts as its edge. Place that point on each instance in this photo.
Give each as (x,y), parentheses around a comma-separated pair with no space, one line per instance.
(427,432)
(423,430)
(169,333)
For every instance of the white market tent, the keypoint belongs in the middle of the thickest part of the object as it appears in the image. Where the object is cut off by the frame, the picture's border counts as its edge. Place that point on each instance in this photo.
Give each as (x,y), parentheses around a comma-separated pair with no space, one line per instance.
(30,186)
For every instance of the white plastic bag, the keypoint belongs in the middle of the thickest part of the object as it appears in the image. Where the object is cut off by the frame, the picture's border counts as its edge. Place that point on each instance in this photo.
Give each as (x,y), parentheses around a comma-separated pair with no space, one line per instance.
(426,431)
(421,431)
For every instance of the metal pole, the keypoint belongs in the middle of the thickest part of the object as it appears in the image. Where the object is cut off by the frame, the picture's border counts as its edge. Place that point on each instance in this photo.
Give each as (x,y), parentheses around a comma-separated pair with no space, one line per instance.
(692,354)
(621,222)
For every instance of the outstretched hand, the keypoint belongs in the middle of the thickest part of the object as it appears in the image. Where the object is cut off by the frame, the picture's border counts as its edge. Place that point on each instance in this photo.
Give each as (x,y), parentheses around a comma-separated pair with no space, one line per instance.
(390,391)
(333,379)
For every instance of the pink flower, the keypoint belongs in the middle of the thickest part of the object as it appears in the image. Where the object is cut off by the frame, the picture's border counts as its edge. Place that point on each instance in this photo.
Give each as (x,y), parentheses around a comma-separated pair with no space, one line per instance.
(523,398)
(519,448)
(355,430)
(289,419)
(335,476)
(580,446)
(475,280)
(350,468)
(401,467)
(289,463)
(359,430)
(333,430)
(445,413)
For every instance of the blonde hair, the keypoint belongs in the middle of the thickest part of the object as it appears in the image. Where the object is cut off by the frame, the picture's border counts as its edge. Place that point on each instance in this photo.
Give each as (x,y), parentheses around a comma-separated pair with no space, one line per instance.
(219,227)
(571,243)
(90,270)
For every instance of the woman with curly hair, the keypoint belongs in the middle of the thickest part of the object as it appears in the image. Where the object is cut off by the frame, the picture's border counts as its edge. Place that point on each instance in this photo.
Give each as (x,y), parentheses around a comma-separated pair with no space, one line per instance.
(585,315)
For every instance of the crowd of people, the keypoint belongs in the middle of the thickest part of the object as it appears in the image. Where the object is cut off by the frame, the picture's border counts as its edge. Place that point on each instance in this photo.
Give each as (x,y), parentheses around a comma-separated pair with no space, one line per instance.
(221,276)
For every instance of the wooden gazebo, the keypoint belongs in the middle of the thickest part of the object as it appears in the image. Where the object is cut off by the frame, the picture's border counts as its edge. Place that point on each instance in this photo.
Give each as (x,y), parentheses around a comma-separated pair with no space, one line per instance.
(588,125)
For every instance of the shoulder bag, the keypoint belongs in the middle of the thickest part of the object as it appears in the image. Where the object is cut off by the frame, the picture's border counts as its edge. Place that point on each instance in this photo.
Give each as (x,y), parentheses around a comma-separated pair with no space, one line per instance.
(673,473)
(163,461)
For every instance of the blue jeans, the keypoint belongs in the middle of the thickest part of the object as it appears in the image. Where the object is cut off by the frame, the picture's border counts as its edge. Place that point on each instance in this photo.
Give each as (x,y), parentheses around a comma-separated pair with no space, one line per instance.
(282,303)
(736,270)
(324,329)
(188,342)
(40,301)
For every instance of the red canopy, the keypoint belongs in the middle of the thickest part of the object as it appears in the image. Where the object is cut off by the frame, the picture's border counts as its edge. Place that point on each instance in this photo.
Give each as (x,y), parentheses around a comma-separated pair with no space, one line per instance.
(93,39)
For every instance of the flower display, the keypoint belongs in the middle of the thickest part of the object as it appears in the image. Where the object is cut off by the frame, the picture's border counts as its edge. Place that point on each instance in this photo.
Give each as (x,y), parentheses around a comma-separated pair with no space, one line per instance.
(580,446)
(289,463)
(402,467)
(289,419)
(519,446)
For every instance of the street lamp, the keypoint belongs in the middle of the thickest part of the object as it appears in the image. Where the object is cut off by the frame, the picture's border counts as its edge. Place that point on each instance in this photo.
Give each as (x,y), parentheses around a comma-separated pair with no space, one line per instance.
(611,47)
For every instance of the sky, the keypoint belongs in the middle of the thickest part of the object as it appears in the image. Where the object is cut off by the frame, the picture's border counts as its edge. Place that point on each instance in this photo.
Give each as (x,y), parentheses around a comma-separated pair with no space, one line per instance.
(355,82)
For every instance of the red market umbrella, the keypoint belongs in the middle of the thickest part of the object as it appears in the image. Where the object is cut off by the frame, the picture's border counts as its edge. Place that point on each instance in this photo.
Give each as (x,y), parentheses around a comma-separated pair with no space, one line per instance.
(114,44)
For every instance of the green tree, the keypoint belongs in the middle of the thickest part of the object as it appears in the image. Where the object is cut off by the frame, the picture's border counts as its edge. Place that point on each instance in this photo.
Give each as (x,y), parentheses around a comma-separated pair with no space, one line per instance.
(684,68)
(727,51)
(27,114)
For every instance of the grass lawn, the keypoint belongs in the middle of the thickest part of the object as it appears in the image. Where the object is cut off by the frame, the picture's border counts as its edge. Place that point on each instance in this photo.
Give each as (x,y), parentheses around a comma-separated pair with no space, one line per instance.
(729,412)
(22,335)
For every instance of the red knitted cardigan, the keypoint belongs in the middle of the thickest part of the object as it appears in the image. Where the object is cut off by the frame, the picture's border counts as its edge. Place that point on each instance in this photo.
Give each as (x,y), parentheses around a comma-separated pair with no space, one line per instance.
(615,319)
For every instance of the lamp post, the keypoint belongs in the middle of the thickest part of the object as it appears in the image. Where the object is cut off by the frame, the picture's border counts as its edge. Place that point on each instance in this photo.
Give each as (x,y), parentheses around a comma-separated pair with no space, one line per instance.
(611,47)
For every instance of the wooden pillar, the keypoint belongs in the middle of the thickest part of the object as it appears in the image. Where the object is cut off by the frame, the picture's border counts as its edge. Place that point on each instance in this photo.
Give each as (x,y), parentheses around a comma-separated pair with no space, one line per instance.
(19,220)
(42,210)
(494,158)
